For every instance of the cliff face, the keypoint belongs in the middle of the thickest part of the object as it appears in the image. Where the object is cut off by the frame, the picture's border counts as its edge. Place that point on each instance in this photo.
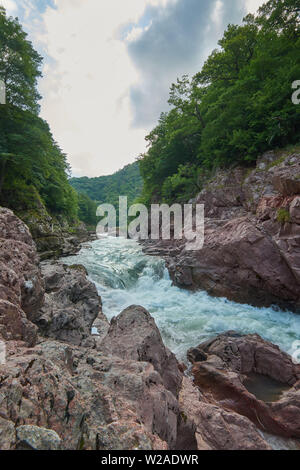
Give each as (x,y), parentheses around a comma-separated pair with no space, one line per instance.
(251,252)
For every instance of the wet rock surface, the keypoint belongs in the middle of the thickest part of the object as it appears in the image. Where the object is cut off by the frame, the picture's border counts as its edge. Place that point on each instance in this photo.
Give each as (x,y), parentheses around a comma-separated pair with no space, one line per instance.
(210,426)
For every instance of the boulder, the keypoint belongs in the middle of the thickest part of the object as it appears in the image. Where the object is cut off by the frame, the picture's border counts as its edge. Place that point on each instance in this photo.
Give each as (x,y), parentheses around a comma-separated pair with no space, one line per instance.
(36,438)
(22,260)
(21,283)
(226,365)
(286,176)
(295,210)
(20,278)
(240,262)
(12,228)
(71,304)
(91,401)
(7,434)
(205,426)
(134,335)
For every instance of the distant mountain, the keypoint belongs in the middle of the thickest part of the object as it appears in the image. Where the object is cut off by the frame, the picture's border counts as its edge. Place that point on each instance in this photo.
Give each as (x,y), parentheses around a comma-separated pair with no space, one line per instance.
(107,189)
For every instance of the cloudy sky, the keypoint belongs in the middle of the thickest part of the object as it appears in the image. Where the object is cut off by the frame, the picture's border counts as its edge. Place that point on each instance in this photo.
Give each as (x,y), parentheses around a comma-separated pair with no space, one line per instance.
(109,65)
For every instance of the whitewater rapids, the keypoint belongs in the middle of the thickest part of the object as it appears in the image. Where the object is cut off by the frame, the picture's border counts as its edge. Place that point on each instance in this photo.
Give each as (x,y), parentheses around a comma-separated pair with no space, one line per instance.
(125,276)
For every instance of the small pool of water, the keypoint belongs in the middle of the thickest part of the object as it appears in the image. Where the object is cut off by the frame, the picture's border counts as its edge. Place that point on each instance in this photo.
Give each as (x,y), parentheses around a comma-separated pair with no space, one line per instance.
(265,388)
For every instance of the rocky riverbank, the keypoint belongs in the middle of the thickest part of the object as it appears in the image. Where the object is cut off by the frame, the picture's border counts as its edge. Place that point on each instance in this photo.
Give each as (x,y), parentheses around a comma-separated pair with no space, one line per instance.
(251,252)
(54,236)
(63,388)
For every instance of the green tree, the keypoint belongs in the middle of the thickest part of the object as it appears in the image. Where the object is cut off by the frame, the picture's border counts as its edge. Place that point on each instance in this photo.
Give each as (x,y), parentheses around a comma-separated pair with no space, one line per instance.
(238,106)
(87,210)
(107,189)
(31,163)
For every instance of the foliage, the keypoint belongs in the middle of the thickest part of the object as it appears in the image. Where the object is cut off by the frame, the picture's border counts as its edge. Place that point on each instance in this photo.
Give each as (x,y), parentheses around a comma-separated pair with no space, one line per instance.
(33,169)
(283,216)
(183,185)
(238,106)
(107,189)
(19,64)
(87,210)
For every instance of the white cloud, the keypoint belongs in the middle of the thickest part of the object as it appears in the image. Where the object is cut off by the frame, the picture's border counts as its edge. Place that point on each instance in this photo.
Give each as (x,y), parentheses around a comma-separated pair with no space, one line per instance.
(9,5)
(217,14)
(136,32)
(86,89)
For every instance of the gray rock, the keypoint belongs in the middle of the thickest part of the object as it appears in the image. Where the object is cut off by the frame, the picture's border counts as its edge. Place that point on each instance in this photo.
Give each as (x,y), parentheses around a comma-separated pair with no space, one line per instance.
(35,438)
(71,304)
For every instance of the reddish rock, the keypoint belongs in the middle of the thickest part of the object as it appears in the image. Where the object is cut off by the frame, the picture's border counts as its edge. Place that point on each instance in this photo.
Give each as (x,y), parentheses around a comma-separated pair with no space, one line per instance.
(134,335)
(90,400)
(251,251)
(20,274)
(12,228)
(36,438)
(206,426)
(229,360)
(286,178)
(14,325)
(240,262)
(295,210)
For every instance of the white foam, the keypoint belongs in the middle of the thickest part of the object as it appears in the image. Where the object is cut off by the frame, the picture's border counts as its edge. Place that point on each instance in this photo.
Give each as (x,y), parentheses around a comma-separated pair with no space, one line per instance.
(125,276)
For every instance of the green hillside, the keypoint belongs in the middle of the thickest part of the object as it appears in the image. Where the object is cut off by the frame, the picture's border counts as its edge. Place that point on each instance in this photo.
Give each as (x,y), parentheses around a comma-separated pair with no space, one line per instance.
(107,189)
(238,106)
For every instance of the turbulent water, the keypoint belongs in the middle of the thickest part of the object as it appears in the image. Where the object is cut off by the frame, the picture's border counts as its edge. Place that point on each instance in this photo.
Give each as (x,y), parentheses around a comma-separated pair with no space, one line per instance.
(125,276)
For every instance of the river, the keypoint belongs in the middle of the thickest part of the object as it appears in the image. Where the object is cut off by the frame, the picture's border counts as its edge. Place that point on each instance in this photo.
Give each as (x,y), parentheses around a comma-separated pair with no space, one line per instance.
(125,276)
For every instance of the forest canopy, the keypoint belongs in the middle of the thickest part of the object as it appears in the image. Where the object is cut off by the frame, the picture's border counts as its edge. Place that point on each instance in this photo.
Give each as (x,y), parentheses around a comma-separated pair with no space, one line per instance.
(107,189)
(238,106)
